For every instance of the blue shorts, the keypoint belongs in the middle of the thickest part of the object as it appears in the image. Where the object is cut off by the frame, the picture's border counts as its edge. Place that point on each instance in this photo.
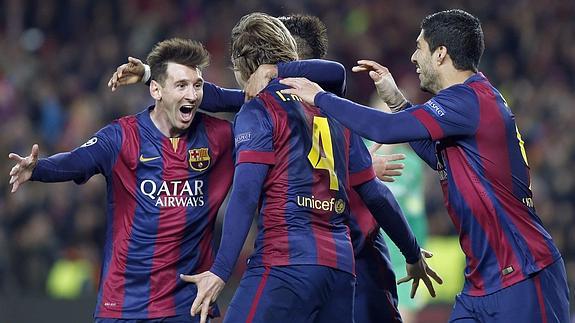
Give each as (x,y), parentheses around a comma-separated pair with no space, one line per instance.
(543,297)
(376,291)
(295,293)
(185,318)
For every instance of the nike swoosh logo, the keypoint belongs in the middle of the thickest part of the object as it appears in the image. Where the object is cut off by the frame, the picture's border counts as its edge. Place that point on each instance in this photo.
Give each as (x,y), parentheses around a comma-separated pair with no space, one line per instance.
(147,159)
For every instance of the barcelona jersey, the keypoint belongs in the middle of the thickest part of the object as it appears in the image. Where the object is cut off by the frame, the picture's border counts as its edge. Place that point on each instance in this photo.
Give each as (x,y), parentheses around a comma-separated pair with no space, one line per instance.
(469,135)
(163,195)
(304,206)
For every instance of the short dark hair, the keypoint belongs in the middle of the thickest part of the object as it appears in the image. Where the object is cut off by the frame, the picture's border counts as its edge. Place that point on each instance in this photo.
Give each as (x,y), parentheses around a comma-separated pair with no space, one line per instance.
(186,52)
(259,38)
(460,32)
(310,34)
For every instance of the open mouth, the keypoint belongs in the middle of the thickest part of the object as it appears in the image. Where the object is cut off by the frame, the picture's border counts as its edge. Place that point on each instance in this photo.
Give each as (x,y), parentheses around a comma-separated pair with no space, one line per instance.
(187,112)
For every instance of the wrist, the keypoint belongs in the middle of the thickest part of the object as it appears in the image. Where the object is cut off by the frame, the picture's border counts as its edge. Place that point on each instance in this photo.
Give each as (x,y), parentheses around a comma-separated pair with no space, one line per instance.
(224,275)
(413,259)
(404,104)
(317,98)
(147,74)
(272,71)
(396,101)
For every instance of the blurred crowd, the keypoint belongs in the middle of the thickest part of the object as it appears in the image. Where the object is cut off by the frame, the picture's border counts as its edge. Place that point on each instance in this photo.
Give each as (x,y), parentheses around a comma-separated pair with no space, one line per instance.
(57,56)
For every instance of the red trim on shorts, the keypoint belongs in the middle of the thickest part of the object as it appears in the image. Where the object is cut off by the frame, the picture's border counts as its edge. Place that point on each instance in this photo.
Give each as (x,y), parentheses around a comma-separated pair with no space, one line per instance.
(259,293)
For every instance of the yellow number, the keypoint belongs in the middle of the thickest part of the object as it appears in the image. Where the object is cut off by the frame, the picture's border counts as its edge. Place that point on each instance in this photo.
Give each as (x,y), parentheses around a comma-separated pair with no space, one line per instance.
(321,141)
(288,97)
(280,94)
(521,145)
(523,153)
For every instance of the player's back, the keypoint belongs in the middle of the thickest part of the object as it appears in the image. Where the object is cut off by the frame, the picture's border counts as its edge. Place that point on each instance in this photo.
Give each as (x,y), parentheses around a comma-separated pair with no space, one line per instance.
(304,205)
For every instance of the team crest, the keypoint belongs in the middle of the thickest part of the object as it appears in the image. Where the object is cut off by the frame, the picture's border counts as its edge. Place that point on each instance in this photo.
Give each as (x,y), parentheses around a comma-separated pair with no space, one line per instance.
(199,159)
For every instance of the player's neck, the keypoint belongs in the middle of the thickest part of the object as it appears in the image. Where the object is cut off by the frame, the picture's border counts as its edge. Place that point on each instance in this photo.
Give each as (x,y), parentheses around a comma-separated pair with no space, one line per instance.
(162,123)
(453,76)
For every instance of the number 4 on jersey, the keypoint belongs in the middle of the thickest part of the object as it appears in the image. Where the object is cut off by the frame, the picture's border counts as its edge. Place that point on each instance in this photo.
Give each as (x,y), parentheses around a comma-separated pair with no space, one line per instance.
(321,141)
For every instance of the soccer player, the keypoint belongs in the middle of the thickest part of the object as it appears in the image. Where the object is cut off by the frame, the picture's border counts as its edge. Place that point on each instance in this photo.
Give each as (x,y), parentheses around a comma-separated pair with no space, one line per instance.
(468,134)
(168,170)
(294,162)
(376,292)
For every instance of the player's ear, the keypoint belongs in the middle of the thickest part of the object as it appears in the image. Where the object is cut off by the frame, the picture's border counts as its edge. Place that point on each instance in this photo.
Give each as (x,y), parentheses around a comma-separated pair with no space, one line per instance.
(441,54)
(155,90)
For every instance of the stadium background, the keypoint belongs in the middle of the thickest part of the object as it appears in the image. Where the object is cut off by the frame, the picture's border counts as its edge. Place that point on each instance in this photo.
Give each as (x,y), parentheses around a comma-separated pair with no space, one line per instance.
(56,58)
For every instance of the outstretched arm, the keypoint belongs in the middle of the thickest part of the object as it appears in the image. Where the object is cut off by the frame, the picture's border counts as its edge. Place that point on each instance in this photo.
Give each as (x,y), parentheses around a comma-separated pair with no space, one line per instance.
(22,171)
(97,155)
(328,74)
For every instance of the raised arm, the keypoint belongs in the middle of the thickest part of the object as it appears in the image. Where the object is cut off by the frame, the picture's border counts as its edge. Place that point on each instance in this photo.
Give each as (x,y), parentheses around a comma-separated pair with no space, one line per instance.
(329,75)
(452,112)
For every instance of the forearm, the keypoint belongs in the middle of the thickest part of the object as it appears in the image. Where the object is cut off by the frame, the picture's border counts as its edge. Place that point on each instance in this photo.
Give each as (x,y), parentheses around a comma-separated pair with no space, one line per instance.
(329,75)
(248,180)
(217,99)
(64,167)
(384,207)
(388,128)
(425,149)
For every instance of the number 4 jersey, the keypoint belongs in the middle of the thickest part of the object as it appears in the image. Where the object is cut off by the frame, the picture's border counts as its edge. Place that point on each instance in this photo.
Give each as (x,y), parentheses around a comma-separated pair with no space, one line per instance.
(304,208)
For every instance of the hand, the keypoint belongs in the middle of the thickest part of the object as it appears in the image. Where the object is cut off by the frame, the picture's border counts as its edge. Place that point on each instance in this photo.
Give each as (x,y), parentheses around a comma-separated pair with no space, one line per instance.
(22,171)
(259,79)
(420,270)
(384,170)
(126,74)
(209,288)
(384,83)
(302,87)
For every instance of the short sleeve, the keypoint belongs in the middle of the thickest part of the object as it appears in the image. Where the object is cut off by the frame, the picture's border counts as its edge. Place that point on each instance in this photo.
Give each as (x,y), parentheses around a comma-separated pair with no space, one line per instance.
(452,112)
(360,164)
(253,135)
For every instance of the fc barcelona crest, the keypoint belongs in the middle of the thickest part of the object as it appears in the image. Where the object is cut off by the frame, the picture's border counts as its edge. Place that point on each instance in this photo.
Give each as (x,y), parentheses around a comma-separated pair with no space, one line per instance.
(199,159)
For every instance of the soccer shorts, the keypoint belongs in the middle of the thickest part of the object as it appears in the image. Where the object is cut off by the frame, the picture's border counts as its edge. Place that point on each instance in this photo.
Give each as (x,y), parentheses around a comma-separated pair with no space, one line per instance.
(182,318)
(185,318)
(543,297)
(375,291)
(295,293)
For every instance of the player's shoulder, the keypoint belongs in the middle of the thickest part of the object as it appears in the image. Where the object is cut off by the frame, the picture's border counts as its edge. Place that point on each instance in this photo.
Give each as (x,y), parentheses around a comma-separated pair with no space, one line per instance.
(213,121)
(458,91)
(454,98)
(255,106)
(215,127)
(129,122)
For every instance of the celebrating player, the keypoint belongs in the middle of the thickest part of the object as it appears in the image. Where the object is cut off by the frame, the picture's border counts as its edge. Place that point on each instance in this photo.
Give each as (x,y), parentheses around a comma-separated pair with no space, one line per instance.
(168,170)
(375,277)
(468,134)
(297,161)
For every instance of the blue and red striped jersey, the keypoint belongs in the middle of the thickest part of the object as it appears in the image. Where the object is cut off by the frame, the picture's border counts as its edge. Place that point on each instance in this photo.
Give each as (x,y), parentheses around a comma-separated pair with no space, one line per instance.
(484,175)
(364,229)
(163,197)
(469,135)
(304,204)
